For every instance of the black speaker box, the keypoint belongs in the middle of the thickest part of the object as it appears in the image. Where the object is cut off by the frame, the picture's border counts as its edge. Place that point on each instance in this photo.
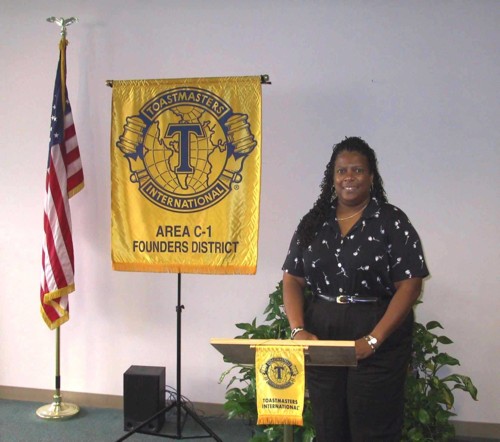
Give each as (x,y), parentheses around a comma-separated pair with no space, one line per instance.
(143,396)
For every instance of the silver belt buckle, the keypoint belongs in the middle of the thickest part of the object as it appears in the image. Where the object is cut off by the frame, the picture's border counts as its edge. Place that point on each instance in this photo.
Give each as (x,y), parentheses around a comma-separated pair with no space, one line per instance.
(342,299)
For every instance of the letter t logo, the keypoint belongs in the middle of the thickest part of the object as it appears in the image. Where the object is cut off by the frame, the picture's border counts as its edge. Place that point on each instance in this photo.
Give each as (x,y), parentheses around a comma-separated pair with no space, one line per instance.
(184,131)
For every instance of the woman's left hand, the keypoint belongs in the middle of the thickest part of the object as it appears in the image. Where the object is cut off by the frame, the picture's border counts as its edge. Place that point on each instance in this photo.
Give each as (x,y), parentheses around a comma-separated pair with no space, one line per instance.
(363,349)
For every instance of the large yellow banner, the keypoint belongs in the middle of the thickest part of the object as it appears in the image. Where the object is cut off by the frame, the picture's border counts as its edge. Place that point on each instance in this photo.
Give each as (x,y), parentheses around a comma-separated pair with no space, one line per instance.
(185,175)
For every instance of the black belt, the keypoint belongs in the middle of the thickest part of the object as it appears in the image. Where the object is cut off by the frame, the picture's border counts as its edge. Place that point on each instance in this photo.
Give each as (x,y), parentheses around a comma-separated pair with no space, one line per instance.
(345,299)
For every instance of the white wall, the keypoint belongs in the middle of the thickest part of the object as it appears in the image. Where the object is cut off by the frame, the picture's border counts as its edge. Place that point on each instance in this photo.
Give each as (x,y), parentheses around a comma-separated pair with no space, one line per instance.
(417,79)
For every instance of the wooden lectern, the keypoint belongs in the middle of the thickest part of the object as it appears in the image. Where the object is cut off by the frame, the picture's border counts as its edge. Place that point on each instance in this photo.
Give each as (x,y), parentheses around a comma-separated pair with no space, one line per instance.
(317,353)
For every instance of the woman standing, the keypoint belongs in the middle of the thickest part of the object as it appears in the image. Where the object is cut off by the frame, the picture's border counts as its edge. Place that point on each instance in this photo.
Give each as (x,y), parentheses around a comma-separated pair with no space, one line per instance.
(363,262)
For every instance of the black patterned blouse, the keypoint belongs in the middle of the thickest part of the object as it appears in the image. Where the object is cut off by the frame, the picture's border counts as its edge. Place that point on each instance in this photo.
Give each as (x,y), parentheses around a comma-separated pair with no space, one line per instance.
(381,248)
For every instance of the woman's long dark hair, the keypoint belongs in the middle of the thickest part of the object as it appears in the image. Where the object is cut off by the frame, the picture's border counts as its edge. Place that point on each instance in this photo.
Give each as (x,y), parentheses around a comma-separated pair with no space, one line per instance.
(322,207)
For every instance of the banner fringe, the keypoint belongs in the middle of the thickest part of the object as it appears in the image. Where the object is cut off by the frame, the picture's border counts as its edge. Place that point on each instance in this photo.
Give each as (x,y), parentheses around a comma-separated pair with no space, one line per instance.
(280,420)
(185,268)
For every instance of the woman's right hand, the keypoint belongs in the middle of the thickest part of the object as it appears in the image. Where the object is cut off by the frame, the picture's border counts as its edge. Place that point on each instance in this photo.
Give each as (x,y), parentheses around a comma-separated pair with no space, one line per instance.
(305,335)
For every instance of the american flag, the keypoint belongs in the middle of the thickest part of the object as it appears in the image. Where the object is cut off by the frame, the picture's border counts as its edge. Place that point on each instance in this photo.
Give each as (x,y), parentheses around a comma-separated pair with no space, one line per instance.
(64,179)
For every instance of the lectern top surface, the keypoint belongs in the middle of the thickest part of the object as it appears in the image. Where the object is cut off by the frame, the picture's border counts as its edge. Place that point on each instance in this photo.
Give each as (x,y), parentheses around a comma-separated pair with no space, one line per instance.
(325,353)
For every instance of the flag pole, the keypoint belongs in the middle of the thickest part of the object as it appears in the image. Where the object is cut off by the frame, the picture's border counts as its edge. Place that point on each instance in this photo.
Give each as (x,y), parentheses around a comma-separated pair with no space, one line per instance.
(59,409)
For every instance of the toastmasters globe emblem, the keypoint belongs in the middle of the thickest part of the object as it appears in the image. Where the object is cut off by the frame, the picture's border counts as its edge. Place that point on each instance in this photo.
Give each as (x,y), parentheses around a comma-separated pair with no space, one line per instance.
(279,372)
(186,149)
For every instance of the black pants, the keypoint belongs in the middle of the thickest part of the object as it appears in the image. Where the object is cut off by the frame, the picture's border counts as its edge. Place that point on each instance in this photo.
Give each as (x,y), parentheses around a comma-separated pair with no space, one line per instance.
(363,403)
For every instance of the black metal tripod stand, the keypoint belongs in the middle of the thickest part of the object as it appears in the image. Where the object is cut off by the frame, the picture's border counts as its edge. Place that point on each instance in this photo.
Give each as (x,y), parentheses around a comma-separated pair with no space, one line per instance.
(178,404)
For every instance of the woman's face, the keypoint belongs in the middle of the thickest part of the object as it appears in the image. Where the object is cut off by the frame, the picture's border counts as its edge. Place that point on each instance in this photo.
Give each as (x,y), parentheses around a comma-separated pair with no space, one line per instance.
(352,178)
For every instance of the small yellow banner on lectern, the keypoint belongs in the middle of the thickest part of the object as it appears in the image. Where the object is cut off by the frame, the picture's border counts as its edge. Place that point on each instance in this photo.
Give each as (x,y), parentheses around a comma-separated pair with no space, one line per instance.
(280,381)
(185,175)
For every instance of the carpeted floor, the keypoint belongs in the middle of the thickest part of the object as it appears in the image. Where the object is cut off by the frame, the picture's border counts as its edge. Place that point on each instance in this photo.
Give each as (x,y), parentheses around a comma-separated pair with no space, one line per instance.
(19,423)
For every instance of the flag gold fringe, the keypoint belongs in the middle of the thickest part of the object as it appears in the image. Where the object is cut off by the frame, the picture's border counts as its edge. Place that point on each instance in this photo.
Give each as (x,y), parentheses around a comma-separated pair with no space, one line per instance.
(59,293)
(77,189)
(54,324)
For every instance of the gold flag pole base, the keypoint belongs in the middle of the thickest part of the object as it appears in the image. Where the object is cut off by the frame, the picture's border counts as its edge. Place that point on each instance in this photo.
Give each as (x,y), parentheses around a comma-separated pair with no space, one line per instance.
(57,409)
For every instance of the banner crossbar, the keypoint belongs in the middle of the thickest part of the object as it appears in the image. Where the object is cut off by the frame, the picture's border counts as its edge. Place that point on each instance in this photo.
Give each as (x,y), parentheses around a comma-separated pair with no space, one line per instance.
(264,79)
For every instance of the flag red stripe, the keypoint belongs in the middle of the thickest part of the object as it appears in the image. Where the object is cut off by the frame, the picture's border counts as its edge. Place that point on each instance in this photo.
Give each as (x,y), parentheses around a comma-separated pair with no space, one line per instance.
(59,199)
(75,180)
(56,270)
(71,157)
(69,130)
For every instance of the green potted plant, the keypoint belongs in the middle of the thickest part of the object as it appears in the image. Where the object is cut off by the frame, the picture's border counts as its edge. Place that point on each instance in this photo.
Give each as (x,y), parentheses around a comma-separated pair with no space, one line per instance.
(429,387)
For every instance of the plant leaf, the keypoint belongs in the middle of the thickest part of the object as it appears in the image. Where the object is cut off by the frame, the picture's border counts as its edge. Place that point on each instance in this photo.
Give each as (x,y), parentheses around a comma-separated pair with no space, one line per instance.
(446,359)
(432,325)
(444,340)
(462,383)
(423,416)
(244,326)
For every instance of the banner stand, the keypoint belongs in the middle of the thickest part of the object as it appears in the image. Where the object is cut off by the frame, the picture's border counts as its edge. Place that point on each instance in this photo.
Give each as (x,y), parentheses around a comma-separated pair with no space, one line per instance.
(240,142)
(179,404)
